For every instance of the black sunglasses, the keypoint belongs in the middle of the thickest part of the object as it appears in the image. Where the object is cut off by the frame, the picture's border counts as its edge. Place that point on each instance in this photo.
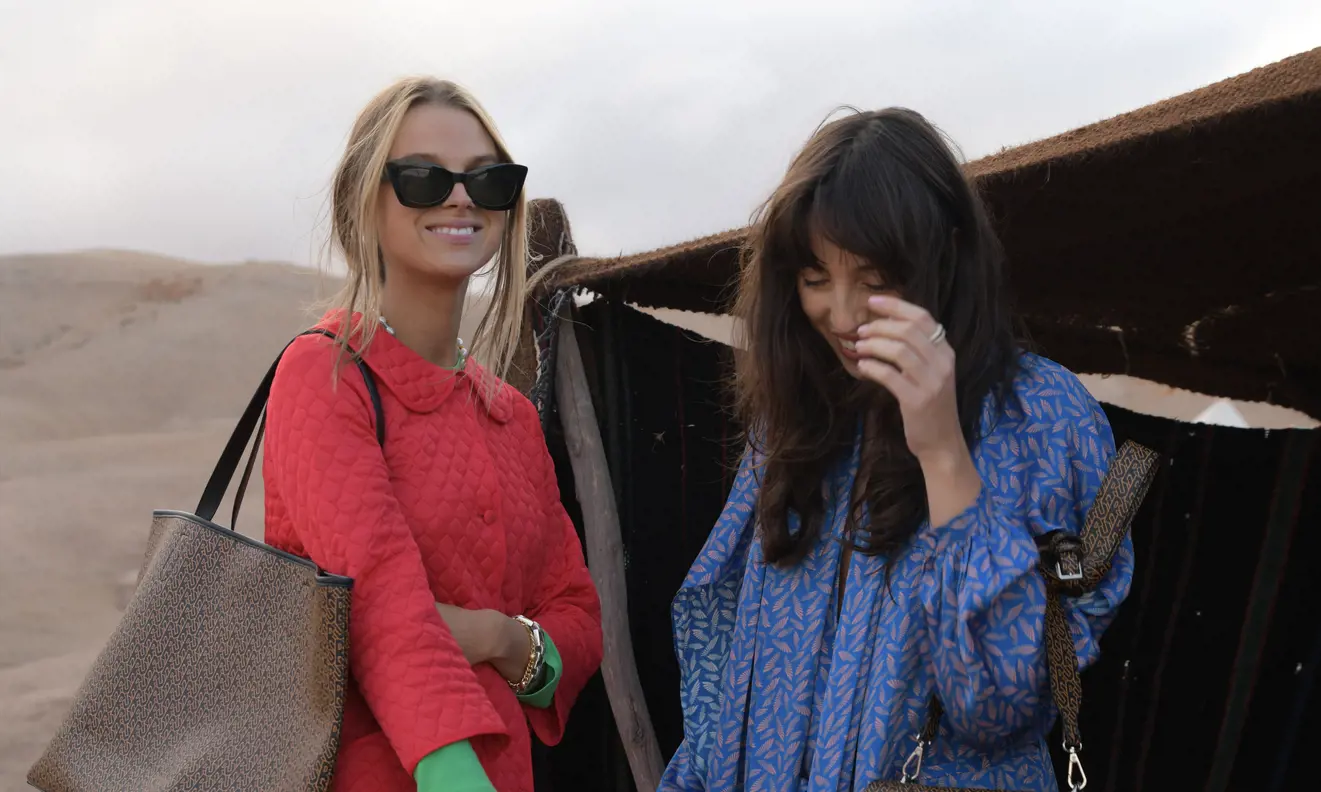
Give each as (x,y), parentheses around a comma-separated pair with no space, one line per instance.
(421,185)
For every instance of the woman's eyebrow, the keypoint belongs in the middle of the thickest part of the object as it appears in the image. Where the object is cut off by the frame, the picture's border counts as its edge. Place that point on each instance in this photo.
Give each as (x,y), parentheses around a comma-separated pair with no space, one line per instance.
(432,159)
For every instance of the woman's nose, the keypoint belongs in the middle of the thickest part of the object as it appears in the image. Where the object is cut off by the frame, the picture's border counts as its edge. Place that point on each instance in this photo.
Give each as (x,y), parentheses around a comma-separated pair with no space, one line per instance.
(848,311)
(458,198)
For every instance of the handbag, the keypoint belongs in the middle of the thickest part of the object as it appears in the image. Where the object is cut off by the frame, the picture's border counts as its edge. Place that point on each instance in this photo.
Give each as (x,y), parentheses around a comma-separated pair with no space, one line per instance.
(1071,565)
(227,669)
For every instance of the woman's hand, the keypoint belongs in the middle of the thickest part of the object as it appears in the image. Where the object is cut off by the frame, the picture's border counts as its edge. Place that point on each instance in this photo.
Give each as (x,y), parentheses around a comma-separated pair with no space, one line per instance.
(899,354)
(904,351)
(489,636)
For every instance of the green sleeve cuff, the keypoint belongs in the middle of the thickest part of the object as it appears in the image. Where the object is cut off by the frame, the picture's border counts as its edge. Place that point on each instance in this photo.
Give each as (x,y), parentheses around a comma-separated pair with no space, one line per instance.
(541,697)
(453,768)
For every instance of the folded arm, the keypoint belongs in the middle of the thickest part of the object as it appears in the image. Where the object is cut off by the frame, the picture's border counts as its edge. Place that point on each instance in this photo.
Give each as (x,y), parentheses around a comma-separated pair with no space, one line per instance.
(564,600)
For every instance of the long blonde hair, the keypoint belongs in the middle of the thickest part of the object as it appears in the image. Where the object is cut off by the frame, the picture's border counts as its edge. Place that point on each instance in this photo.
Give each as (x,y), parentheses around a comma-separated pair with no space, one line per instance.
(354,193)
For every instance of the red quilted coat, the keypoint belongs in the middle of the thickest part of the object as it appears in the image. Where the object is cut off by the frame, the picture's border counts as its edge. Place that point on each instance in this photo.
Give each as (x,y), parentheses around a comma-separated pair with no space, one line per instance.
(461,506)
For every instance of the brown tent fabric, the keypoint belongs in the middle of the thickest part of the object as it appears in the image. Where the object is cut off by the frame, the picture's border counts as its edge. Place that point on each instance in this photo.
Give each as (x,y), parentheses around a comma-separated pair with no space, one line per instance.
(1285,81)
(1178,242)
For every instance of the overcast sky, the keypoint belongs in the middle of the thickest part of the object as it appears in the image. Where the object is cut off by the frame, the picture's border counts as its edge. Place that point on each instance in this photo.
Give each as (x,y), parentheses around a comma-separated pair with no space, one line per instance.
(208,129)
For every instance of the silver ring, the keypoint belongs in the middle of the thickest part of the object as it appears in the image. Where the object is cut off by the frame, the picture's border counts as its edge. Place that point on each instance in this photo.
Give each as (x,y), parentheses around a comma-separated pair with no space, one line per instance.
(938,335)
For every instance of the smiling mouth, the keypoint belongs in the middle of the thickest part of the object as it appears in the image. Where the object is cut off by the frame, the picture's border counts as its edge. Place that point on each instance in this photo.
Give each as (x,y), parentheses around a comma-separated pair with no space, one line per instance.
(849,350)
(453,231)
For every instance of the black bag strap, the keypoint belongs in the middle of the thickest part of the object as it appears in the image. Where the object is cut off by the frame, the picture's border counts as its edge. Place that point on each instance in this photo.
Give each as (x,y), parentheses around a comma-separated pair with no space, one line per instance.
(253,421)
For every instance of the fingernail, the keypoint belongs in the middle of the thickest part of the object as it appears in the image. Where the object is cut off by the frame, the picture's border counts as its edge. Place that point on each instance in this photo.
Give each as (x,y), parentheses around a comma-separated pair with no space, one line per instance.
(877,301)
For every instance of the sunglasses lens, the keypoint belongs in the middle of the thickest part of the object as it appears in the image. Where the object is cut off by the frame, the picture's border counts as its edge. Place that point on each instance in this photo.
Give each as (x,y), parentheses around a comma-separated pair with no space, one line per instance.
(497,186)
(418,186)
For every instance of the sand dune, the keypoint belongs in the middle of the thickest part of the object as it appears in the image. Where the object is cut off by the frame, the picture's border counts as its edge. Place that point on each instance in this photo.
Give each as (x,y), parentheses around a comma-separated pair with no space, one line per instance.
(98,344)
(121,375)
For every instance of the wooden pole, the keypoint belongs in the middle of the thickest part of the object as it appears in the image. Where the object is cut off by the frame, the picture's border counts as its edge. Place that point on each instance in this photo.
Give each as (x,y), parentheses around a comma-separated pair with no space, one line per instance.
(605,560)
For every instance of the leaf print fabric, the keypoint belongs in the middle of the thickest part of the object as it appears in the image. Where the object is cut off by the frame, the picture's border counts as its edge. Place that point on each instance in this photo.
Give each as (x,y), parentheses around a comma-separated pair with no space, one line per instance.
(780,696)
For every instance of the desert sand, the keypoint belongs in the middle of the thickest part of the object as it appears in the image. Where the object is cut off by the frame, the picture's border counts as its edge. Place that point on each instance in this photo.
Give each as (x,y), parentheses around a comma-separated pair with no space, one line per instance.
(121,375)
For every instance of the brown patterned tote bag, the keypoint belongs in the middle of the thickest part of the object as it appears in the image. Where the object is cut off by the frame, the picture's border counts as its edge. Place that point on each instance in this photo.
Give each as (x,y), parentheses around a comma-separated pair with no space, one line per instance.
(1071,565)
(227,669)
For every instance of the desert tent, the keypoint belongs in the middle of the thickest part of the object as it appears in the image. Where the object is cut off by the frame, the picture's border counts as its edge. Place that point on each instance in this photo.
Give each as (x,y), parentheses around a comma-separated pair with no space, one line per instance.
(1178,243)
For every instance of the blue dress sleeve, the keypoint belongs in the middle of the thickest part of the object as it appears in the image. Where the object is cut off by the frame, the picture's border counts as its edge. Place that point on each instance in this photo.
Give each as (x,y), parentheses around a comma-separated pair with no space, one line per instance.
(1041,466)
(704,613)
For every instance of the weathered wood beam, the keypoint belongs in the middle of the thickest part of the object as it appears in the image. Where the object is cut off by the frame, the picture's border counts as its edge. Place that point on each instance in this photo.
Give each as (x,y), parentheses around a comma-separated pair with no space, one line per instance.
(605,559)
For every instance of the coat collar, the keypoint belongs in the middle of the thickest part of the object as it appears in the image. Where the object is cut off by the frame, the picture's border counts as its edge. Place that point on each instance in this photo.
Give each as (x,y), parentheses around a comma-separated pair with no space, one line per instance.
(421,385)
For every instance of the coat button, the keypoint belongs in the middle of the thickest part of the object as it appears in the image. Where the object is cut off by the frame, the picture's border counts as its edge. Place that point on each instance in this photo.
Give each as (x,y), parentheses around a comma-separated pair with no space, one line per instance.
(489,516)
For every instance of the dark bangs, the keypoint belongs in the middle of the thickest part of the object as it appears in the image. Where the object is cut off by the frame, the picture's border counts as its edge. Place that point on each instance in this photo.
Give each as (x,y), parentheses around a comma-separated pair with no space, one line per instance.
(875,205)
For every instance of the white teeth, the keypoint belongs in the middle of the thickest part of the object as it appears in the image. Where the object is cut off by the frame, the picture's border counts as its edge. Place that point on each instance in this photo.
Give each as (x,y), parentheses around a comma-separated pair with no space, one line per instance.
(851,346)
(446,230)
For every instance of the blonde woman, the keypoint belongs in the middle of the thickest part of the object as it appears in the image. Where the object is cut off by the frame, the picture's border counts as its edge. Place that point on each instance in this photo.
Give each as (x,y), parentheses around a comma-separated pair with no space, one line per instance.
(473,612)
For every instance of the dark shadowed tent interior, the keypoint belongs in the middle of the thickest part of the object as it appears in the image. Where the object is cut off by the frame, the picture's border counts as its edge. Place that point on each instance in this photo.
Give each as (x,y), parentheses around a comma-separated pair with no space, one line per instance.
(1179,243)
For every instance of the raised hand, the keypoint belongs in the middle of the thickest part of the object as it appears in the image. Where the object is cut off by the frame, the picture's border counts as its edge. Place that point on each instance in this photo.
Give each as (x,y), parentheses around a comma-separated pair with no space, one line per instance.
(904,350)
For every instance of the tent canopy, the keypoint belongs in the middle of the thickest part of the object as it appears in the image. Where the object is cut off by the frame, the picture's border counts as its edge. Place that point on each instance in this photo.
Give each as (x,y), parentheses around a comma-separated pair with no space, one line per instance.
(1178,242)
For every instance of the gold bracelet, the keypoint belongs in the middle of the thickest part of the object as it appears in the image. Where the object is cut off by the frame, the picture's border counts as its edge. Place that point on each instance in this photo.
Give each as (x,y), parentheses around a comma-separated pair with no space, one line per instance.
(536,655)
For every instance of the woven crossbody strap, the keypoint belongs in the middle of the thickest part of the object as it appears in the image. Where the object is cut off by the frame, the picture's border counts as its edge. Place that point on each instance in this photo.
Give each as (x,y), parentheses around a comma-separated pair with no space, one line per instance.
(1076,565)
(1073,565)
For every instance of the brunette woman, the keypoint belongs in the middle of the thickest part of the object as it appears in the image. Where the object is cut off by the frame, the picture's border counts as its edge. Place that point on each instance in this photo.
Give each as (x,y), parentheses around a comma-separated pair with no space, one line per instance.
(878,546)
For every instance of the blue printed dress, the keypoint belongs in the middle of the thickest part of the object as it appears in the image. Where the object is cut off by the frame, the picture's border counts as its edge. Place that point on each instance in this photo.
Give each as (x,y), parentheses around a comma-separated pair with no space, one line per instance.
(779,695)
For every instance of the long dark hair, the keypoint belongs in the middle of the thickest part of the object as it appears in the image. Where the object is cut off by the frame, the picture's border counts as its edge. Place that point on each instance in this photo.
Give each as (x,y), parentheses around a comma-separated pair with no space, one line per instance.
(887,187)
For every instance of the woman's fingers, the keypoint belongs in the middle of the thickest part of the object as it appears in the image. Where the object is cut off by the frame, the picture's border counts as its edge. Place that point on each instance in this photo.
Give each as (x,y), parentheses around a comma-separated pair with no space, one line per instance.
(898,354)
(899,330)
(899,343)
(895,308)
(890,378)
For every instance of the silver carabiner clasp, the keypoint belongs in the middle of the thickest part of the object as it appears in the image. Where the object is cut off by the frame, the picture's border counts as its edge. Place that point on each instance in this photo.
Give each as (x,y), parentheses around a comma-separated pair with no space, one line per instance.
(915,760)
(1075,765)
